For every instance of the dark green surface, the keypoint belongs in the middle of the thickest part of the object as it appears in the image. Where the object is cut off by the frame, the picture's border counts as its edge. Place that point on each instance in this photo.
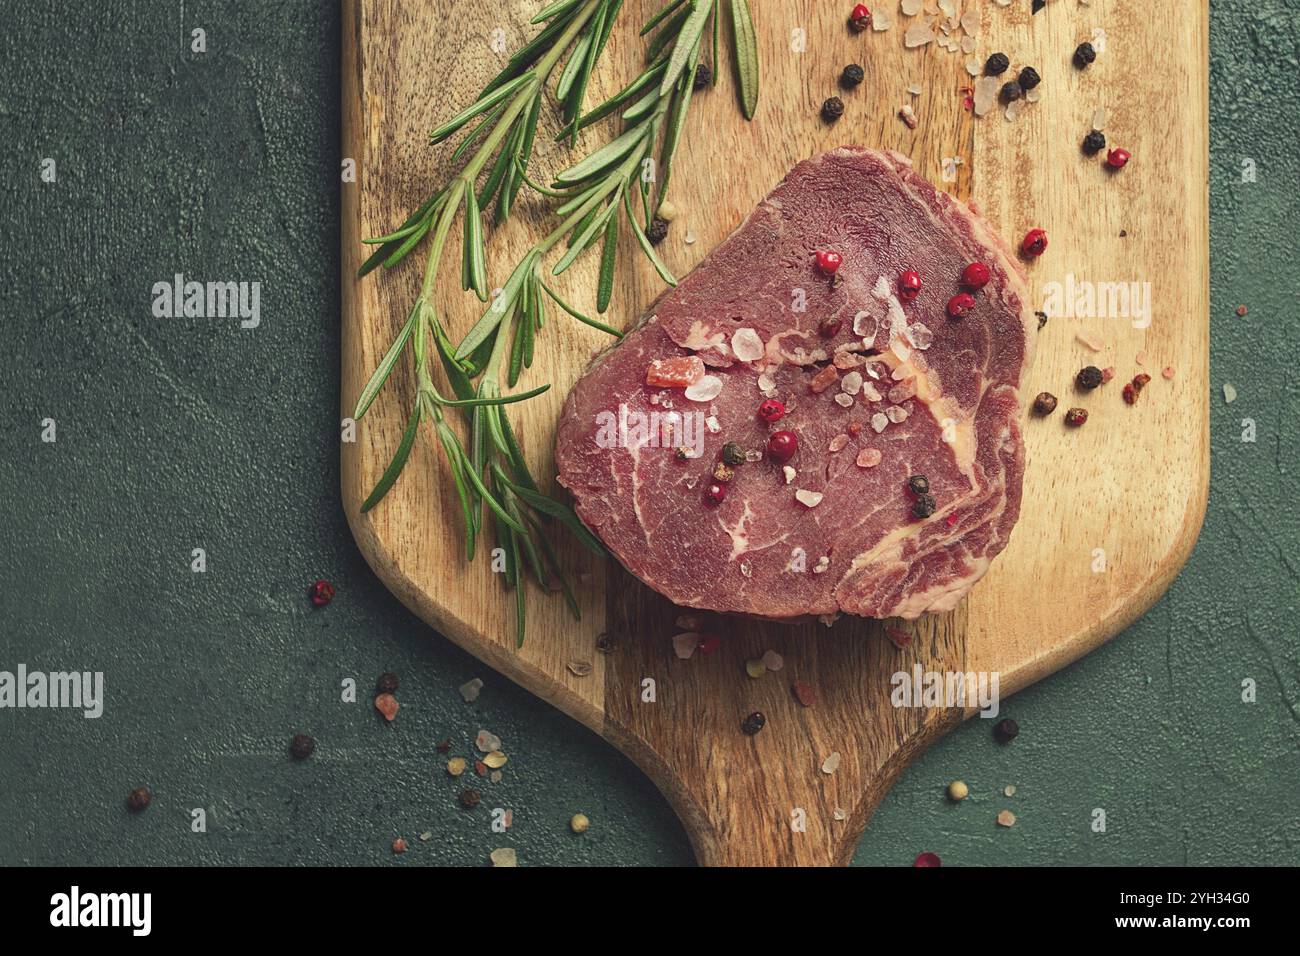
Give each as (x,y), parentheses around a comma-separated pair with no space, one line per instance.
(183,433)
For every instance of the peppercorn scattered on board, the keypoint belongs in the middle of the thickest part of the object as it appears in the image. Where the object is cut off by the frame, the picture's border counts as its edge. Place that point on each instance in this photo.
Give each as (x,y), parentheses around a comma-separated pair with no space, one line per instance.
(1111,508)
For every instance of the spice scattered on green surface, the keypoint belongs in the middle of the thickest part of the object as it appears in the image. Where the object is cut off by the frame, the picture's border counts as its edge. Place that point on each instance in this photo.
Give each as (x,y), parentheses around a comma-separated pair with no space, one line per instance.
(579,823)
(485,740)
(139,799)
(469,799)
(495,760)
(927,859)
(443,746)
(1009,791)
(505,856)
(456,766)
(387,683)
(387,705)
(321,593)
(399,846)
(469,690)
(1006,819)
(958,791)
(1006,730)
(302,746)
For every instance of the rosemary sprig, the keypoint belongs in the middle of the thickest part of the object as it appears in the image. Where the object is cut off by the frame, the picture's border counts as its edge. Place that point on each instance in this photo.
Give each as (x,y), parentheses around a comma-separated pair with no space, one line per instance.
(593,197)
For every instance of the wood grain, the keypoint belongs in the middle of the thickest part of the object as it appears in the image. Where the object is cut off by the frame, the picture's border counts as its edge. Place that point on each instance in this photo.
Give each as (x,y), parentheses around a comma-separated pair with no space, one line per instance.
(1129,487)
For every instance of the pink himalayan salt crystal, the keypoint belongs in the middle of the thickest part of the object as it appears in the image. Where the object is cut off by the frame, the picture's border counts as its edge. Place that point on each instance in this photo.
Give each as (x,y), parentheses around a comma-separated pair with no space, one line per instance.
(1168,372)
(675,372)
(868,458)
(838,442)
(684,645)
(902,391)
(1091,339)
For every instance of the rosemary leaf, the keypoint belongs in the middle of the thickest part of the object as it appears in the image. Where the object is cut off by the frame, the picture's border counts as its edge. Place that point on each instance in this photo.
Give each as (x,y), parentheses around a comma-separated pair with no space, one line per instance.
(459,471)
(648,249)
(687,42)
(455,372)
(479,401)
(562,513)
(474,246)
(676,123)
(482,104)
(578,315)
(498,310)
(608,259)
(558,7)
(577,61)
(490,120)
(606,156)
(658,18)
(587,237)
(385,366)
(512,451)
(395,466)
(516,351)
(746,51)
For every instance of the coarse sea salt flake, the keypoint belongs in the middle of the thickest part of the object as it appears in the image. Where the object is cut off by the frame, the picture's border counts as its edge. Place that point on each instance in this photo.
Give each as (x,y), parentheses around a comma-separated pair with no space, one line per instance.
(896,413)
(788,473)
(844,401)
(865,325)
(881,290)
(879,422)
(809,499)
(684,644)
(838,442)
(747,345)
(712,424)
(705,390)
(868,458)
(921,335)
(851,384)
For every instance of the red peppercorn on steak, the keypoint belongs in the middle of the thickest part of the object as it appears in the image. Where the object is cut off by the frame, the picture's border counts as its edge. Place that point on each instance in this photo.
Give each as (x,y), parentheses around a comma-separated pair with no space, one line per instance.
(824,416)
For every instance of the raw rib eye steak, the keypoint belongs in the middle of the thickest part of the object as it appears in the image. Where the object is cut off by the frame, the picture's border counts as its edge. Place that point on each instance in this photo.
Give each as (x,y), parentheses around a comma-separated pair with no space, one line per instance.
(897,477)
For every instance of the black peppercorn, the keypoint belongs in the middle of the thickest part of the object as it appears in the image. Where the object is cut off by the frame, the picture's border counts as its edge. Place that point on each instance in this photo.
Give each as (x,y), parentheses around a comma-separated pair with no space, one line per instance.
(1011,91)
(387,683)
(302,746)
(658,229)
(733,454)
(138,799)
(1006,730)
(703,76)
(1042,319)
(753,723)
(918,484)
(997,64)
(1089,377)
(851,76)
(923,506)
(1084,54)
(1045,403)
(1029,78)
(832,109)
(1094,142)
(469,799)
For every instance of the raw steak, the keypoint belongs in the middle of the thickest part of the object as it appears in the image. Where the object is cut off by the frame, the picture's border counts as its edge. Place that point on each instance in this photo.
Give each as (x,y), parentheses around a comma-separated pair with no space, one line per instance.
(898,389)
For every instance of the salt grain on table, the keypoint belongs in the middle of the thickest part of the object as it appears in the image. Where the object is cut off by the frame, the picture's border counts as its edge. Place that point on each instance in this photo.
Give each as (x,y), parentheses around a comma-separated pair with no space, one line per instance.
(684,645)
(1229,393)
(487,741)
(470,690)
(831,763)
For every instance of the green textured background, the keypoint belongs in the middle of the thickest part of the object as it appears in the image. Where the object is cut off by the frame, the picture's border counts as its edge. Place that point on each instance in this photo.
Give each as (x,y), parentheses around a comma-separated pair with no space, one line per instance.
(176,434)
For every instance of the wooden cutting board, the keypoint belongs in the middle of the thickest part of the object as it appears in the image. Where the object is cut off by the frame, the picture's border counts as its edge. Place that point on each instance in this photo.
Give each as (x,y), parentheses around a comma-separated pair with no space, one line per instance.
(1110,511)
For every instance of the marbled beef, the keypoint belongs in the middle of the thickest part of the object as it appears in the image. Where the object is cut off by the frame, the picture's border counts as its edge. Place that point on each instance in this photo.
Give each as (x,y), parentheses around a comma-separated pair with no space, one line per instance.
(876,389)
